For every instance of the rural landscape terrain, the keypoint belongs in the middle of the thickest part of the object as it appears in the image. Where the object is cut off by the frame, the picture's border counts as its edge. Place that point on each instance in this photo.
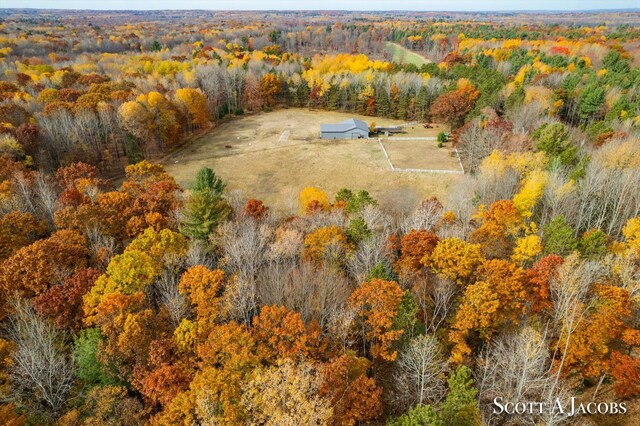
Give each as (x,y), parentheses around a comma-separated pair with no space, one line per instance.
(190,234)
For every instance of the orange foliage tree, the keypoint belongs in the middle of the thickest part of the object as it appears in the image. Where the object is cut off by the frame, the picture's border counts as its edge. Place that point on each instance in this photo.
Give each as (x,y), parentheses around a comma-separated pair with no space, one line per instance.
(255,209)
(496,299)
(280,333)
(355,398)
(17,230)
(147,198)
(500,224)
(588,349)
(270,86)
(626,373)
(194,104)
(63,303)
(452,107)
(538,278)
(377,303)
(227,358)
(414,246)
(34,268)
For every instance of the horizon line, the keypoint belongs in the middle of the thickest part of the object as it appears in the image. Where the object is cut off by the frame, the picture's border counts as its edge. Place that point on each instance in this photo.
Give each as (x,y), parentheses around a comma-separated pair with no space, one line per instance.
(630,9)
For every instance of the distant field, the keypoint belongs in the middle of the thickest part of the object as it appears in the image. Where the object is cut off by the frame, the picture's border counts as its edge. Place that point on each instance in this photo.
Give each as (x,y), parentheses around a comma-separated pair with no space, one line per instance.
(272,156)
(404,55)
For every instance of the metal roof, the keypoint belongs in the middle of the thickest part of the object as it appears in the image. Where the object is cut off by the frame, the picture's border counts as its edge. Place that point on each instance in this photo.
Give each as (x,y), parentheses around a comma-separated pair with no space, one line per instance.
(345,126)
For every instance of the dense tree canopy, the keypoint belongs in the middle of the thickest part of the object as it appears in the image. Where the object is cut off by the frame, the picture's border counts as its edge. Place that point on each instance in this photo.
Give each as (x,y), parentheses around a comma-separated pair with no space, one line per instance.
(126,298)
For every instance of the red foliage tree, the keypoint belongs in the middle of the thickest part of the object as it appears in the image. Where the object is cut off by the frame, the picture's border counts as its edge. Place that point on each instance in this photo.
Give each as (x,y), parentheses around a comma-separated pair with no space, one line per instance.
(452,107)
(537,281)
(626,373)
(255,208)
(414,246)
(63,303)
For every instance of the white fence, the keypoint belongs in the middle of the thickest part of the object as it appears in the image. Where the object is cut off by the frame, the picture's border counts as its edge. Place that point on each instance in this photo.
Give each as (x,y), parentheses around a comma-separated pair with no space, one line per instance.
(385,154)
(396,169)
(400,138)
(452,172)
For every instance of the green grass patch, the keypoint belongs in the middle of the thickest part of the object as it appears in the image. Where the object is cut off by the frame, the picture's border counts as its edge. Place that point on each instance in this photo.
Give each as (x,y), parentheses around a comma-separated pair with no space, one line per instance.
(405,56)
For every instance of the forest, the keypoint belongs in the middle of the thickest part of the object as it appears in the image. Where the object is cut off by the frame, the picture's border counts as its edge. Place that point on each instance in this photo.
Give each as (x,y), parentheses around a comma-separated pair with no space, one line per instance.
(126,299)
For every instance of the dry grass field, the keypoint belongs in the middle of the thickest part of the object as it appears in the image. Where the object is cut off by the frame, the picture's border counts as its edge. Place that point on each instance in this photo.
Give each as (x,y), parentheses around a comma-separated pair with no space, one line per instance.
(418,154)
(274,155)
(405,153)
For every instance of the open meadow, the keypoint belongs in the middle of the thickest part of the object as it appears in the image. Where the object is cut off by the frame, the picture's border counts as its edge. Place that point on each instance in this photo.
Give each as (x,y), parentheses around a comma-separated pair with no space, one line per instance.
(274,155)
(403,55)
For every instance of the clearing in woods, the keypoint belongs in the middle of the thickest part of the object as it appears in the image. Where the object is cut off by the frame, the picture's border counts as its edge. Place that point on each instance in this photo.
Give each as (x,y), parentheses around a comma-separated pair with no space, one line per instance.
(274,155)
(403,55)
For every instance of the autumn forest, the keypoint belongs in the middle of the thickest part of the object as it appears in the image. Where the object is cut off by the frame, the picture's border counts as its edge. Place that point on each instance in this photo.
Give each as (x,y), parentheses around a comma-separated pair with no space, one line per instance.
(128,299)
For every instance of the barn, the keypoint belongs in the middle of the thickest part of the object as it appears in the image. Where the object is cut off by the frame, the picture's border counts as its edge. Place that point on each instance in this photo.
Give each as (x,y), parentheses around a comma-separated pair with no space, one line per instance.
(348,129)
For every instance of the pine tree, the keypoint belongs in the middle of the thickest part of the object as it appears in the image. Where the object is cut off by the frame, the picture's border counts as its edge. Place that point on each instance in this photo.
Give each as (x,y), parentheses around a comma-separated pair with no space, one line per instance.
(206,180)
(460,407)
(202,214)
(558,237)
(420,415)
(591,101)
(205,209)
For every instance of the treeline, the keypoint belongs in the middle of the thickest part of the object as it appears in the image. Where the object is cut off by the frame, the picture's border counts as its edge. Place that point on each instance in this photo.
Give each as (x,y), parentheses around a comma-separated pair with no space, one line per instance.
(63,105)
(108,123)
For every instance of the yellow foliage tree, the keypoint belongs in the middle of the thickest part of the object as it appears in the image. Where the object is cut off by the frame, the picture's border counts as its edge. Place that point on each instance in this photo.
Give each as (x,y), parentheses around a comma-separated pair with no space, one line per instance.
(202,286)
(328,243)
(526,249)
(286,394)
(631,232)
(454,258)
(312,198)
(123,283)
(195,105)
(530,192)
(164,246)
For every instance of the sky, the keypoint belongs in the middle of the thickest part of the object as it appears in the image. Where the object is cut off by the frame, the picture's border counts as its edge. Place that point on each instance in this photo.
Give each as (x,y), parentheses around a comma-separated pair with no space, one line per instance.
(433,5)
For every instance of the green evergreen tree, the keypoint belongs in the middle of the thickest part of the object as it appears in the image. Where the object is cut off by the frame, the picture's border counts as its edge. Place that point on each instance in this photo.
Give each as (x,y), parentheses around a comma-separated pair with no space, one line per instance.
(591,101)
(85,356)
(553,139)
(359,201)
(358,230)
(203,212)
(593,244)
(344,194)
(558,237)
(382,271)
(206,180)
(383,103)
(460,407)
(423,102)
(407,318)
(420,415)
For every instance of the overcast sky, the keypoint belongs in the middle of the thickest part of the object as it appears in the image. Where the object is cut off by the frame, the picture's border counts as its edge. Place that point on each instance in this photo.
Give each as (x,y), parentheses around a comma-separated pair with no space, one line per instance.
(437,5)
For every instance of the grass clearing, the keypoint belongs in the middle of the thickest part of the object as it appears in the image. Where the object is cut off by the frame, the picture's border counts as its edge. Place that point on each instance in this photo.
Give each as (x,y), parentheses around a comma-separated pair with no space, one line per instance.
(421,154)
(250,154)
(405,56)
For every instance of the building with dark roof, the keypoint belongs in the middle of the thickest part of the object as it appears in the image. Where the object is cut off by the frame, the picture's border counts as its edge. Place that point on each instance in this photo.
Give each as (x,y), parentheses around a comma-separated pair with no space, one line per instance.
(348,129)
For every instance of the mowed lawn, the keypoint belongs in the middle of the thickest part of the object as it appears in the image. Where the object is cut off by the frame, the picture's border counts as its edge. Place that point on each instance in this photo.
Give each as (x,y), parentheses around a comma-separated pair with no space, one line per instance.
(273,156)
(406,56)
